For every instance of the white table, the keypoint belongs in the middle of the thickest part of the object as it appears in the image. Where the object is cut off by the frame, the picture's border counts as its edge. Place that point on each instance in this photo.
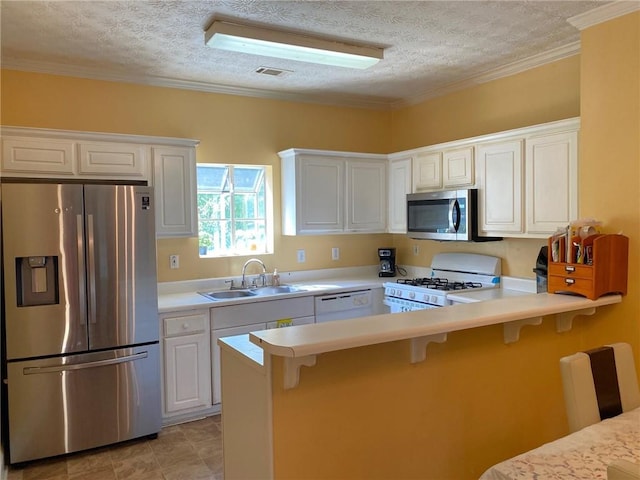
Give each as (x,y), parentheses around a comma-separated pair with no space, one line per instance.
(582,455)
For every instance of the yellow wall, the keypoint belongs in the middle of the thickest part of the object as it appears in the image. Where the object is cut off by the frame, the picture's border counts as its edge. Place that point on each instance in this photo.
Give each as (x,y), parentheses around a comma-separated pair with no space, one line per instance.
(544,94)
(539,95)
(250,130)
(610,156)
(475,400)
(369,413)
(230,129)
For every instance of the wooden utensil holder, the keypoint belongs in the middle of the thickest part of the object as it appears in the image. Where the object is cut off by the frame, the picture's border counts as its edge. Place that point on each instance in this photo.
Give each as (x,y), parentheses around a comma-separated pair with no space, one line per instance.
(606,274)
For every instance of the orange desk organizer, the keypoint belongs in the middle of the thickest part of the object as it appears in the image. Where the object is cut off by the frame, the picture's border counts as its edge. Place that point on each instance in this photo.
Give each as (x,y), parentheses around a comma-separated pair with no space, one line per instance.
(607,272)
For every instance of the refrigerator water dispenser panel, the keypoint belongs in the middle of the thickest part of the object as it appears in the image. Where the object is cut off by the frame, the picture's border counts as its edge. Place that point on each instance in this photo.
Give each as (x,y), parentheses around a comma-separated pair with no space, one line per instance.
(37,281)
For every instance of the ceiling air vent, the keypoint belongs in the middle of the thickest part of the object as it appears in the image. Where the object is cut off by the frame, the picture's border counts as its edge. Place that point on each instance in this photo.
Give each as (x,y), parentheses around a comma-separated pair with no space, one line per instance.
(274,72)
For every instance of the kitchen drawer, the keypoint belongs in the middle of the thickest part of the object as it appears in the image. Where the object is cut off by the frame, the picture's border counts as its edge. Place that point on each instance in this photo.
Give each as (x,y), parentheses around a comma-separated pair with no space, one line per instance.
(570,284)
(186,324)
(571,270)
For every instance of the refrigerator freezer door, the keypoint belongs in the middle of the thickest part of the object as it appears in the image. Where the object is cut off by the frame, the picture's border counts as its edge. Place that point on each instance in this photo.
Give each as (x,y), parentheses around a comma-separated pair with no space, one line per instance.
(63,405)
(121,266)
(42,228)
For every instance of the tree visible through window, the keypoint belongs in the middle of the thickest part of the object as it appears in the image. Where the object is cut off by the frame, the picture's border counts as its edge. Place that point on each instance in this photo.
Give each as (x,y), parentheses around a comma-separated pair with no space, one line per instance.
(232,209)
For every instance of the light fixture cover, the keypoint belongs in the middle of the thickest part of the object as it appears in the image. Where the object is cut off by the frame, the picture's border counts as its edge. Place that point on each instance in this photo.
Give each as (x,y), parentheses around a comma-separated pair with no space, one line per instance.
(290,46)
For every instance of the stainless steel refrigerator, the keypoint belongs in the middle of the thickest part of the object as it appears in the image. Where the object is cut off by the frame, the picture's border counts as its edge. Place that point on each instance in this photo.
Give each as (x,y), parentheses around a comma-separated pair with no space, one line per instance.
(80,350)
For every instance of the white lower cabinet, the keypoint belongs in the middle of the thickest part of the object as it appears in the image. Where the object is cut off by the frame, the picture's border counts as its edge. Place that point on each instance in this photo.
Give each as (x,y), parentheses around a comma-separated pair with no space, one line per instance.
(251,317)
(215,352)
(186,362)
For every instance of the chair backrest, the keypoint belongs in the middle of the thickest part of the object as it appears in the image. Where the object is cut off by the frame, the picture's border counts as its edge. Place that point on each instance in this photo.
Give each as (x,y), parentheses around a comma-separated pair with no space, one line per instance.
(599,384)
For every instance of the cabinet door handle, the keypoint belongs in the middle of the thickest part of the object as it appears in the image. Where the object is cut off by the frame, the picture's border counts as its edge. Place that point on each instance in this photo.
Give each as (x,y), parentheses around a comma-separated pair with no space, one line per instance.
(569,281)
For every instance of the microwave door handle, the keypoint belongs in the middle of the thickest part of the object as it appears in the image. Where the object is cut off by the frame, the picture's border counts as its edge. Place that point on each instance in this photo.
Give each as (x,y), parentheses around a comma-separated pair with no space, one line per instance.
(454,216)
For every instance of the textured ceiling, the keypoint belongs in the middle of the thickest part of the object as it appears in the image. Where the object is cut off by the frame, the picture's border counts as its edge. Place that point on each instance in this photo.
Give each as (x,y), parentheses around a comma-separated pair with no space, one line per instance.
(430,46)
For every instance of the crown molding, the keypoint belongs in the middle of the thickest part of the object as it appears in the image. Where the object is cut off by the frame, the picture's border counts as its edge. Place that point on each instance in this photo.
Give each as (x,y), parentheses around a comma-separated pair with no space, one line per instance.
(326,99)
(66,70)
(507,70)
(604,13)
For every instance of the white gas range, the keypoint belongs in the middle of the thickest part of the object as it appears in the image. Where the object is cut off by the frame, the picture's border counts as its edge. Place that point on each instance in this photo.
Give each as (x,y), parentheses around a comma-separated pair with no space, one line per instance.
(450,272)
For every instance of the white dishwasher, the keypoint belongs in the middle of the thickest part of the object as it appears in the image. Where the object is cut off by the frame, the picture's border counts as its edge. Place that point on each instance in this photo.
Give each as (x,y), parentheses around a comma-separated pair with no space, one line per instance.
(344,305)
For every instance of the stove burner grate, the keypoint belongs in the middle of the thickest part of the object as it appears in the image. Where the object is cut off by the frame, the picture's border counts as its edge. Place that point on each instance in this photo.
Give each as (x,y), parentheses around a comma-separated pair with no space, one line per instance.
(438,283)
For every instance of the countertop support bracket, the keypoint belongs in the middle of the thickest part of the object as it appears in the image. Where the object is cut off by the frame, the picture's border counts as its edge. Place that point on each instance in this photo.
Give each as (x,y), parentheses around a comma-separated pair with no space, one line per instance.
(512,329)
(419,346)
(292,369)
(564,321)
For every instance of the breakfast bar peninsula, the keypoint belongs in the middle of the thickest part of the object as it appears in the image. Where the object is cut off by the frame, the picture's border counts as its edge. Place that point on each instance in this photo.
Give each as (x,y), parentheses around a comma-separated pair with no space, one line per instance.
(433,394)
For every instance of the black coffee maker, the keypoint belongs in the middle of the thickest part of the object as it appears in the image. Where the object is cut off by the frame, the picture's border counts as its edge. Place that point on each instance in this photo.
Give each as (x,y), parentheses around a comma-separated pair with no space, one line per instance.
(387,258)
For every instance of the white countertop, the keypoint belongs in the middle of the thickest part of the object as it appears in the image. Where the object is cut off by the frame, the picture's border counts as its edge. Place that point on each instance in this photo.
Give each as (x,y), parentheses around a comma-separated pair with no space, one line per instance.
(305,340)
(484,295)
(177,296)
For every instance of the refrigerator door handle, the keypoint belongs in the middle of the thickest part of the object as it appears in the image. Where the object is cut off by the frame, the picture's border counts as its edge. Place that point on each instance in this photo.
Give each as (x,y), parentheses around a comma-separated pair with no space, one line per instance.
(92,269)
(80,366)
(81,267)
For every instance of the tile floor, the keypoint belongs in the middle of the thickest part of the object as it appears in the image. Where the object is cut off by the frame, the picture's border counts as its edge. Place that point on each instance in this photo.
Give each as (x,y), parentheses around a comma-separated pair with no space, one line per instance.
(189,451)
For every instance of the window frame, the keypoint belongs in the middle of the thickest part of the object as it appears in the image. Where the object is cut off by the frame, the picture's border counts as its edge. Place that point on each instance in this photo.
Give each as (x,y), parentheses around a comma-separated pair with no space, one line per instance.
(267,182)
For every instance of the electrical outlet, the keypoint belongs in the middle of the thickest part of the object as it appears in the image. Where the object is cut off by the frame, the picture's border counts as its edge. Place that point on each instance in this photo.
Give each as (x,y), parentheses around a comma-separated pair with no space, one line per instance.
(301,256)
(335,253)
(416,249)
(174,261)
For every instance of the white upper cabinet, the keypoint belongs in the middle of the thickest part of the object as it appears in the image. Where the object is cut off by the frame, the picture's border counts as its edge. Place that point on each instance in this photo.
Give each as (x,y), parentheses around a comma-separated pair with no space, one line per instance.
(44,153)
(399,186)
(319,194)
(427,171)
(169,164)
(109,159)
(174,171)
(551,181)
(443,166)
(527,180)
(500,187)
(457,167)
(366,196)
(37,157)
(325,192)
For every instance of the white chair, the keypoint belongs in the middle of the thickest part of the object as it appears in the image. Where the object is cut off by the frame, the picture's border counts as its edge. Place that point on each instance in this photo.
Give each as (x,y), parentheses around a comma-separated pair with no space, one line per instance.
(623,470)
(599,384)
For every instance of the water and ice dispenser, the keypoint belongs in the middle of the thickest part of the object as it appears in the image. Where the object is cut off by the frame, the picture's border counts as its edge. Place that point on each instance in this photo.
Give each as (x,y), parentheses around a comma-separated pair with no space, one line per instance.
(37,280)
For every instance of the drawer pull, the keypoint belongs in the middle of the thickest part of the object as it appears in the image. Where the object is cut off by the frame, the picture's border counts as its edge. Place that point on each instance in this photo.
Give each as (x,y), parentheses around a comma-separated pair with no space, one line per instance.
(569,281)
(569,269)
(185,325)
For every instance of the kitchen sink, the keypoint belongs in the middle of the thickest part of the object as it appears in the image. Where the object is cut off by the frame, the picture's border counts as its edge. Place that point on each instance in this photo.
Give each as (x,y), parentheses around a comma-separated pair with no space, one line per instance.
(254,291)
(274,290)
(226,294)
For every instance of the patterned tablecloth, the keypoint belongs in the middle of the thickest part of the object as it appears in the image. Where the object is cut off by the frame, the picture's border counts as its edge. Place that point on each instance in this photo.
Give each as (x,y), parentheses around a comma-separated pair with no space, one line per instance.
(583,455)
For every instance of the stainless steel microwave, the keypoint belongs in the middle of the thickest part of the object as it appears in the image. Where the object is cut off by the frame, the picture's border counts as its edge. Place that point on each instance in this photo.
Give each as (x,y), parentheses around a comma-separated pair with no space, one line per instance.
(444,215)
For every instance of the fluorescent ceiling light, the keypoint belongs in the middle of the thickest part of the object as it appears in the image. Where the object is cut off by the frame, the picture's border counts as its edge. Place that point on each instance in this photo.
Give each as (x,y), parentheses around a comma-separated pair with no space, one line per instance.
(290,46)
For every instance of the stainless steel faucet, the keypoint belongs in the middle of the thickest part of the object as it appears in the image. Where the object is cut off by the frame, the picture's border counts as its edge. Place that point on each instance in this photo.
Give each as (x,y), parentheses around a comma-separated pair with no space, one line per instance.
(244,268)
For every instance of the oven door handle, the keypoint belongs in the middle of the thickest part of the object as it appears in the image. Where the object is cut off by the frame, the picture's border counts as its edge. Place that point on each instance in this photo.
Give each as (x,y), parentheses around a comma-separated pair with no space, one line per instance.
(454,216)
